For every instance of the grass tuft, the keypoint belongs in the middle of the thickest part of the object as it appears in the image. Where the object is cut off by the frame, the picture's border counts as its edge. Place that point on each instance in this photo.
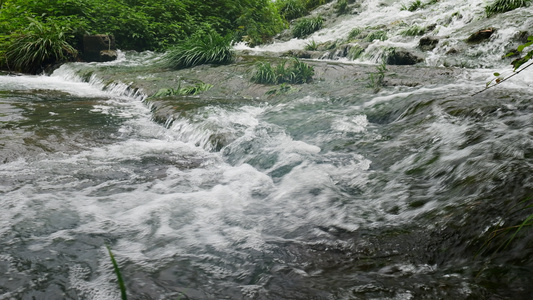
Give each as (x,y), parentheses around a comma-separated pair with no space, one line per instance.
(501,6)
(297,72)
(203,47)
(41,44)
(413,31)
(311,46)
(179,91)
(376,35)
(305,26)
(355,52)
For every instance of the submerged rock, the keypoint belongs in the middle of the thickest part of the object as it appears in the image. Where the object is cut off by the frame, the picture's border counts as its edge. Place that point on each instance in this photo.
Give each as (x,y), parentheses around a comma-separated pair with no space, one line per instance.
(402,57)
(428,43)
(481,35)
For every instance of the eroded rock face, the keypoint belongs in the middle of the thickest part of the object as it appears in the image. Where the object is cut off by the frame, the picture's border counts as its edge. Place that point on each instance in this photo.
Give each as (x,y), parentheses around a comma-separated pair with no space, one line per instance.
(99,48)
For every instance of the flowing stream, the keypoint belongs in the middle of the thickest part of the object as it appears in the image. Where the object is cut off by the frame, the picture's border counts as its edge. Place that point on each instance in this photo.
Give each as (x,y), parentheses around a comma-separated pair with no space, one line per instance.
(367,196)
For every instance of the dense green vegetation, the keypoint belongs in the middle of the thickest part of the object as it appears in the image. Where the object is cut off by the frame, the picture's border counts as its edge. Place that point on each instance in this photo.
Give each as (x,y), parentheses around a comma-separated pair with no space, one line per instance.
(135,24)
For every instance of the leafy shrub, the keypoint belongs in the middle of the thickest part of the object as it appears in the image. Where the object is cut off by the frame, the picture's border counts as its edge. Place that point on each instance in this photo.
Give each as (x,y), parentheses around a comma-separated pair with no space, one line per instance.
(413,31)
(306,26)
(40,45)
(203,47)
(291,9)
(298,72)
(501,6)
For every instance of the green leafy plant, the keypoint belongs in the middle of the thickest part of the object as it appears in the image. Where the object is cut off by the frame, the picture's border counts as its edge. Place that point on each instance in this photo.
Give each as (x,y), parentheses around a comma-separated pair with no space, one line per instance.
(413,31)
(376,80)
(182,91)
(203,47)
(116,269)
(305,26)
(297,72)
(39,45)
(501,6)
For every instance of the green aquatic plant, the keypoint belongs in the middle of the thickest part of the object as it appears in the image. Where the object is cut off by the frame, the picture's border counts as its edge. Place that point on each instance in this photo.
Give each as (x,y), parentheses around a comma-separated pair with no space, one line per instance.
(414,5)
(376,35)
(505,235)
(413,31)
(501,6)
(376,80)
(39,45)
(354,33)
(183,91)
(305,26)
(355,52)
(297,72)
(116,269)
(203,47)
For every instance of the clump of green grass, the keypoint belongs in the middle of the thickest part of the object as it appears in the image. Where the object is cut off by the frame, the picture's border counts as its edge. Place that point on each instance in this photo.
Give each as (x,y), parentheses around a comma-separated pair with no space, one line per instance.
(306,26)
(354,33)
(203,47)
(355,52)
(377,80)
(501,6)
(376,35)
(182,91)
(413,31)
(311,46)
(414,5)
(297,72)
(41,44)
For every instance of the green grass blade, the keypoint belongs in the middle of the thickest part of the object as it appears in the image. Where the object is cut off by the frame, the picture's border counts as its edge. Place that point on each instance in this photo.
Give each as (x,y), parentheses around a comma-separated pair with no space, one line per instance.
(119,276)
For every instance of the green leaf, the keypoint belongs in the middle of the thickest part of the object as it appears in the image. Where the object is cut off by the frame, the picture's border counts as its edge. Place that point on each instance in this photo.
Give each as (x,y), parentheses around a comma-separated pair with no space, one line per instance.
(496,74)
